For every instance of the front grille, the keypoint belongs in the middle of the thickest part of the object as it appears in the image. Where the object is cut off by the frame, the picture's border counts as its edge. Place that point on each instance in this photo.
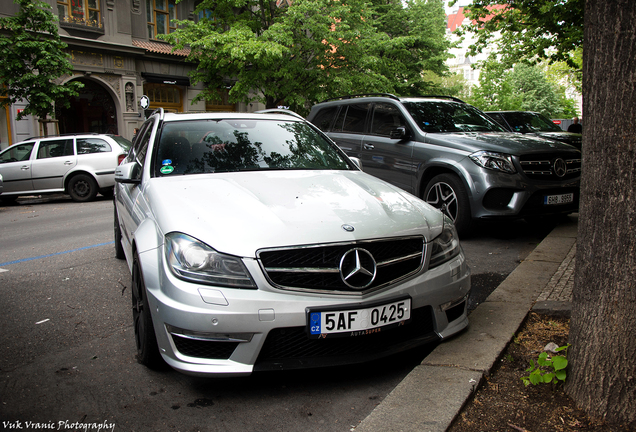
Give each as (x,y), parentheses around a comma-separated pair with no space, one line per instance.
(317,268)
(204,349)
(289,348)
(541,166)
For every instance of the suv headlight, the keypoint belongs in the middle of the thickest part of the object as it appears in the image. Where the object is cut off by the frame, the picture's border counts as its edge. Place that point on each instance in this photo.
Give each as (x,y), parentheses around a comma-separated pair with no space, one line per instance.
(494,161)
(446,245)
(194,261)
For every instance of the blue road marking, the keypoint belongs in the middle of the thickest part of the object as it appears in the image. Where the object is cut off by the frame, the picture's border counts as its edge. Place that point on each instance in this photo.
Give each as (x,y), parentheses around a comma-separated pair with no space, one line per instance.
(53,254)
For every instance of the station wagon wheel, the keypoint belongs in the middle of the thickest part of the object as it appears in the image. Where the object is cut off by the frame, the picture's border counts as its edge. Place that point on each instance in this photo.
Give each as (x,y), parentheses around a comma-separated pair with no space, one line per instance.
(119,249)
(82,188)
(447,193)
(145,338)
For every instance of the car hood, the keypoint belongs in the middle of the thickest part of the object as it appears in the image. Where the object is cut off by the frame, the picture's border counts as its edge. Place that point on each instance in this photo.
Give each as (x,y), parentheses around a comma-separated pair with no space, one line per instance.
(566,137)
(240,213)
(502,142)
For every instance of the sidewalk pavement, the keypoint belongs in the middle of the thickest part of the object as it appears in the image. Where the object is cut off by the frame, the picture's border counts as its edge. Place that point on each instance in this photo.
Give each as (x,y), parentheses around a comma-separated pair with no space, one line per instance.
(432,395)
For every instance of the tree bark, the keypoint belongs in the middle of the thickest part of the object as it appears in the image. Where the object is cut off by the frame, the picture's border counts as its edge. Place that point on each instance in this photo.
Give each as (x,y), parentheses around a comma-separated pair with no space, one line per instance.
(602,372)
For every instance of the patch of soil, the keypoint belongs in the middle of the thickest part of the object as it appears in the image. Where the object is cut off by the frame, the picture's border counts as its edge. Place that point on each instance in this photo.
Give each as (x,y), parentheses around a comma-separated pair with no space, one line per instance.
(503,403)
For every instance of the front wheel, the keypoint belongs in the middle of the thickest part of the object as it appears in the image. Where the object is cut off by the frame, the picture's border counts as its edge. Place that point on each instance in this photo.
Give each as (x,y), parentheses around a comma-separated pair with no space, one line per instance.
(145,338)
(82,188)
(447,193)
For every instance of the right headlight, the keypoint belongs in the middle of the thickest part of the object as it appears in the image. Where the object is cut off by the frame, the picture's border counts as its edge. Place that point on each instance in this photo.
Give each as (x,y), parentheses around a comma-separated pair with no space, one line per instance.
(445,246)
(194,261)
(494,161)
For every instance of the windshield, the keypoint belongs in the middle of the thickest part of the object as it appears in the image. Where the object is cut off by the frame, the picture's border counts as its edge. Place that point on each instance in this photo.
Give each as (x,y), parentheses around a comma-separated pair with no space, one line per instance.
(123,142)
(433,116)
(209,146)
(525,122)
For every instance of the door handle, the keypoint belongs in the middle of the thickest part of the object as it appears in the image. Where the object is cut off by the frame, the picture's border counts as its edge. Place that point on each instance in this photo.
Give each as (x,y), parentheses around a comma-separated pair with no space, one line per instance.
(68,163)
(369,147)
(24,167)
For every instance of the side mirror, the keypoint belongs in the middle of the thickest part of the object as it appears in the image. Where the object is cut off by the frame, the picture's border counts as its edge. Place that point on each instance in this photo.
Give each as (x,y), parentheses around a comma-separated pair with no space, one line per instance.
(356,161)
(128,173)
(399,133)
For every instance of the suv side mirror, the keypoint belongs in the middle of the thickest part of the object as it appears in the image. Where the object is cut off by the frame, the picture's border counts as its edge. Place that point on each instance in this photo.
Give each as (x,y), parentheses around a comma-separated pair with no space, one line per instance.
(399,133)
(128,173)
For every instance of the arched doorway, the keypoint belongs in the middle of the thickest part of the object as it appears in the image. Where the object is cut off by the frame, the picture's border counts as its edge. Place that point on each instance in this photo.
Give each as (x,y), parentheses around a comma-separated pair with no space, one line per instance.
(92,111)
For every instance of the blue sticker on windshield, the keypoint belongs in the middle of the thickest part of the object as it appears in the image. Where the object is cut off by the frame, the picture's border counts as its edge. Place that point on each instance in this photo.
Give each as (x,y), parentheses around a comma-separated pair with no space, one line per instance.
(167,162)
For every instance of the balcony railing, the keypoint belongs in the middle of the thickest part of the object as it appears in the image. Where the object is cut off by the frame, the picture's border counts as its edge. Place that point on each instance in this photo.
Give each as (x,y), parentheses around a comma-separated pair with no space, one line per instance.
(82,23)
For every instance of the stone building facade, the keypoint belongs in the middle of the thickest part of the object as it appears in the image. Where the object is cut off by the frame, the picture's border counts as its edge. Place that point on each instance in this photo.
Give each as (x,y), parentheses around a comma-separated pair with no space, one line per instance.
(115,52)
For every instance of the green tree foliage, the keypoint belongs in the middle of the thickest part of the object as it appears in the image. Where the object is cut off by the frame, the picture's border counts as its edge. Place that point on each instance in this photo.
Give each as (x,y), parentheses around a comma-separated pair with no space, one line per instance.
(304,51)
(528,29)
(523,88)
(32,58)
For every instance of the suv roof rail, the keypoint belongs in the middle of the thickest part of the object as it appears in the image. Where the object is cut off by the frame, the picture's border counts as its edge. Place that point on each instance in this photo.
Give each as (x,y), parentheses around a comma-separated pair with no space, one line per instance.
(280,111)
(453,98)
(389,95)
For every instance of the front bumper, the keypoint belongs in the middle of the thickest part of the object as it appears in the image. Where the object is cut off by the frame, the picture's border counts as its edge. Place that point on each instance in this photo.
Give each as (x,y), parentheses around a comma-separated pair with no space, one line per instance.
(203,330)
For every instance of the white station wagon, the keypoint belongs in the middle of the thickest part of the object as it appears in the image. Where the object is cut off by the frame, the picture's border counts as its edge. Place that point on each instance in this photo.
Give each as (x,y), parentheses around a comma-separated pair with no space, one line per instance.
(255,243)
(80,165)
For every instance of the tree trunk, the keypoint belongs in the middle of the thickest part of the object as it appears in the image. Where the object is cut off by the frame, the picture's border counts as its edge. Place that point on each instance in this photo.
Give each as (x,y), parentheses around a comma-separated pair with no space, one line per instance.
(602,372)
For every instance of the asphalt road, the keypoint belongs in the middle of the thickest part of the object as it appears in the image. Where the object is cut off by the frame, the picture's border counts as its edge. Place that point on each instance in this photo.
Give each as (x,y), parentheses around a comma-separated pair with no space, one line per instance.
(68,347)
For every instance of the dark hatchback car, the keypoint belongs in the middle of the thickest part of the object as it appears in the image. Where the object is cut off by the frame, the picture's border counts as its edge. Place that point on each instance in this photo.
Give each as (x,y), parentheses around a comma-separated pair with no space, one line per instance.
(534,123)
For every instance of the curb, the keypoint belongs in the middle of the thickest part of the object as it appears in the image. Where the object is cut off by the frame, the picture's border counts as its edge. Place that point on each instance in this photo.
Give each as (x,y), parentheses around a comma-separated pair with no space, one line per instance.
(432,395)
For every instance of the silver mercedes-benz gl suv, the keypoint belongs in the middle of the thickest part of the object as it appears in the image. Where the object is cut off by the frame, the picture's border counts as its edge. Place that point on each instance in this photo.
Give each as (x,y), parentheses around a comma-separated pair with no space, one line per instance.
(454,156)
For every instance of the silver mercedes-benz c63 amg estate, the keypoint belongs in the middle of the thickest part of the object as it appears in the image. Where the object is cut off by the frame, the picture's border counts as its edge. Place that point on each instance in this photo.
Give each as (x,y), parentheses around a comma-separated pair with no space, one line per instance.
(255,243)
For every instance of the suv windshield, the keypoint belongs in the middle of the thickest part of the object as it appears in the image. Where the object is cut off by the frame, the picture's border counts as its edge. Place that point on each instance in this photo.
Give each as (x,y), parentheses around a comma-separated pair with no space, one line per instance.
(225,145)
(525,122)
(450,117)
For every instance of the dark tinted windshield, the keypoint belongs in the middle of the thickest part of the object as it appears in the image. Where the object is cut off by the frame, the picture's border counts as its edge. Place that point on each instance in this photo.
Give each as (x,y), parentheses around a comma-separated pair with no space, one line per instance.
(123,142)
(208,146)
(525,122)
(450,117)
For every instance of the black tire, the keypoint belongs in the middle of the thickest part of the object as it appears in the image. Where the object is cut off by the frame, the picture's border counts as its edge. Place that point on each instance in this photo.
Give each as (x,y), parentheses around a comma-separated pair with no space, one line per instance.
(145,338)
(8,199)
(447,193)
(119,249)
(107,192)
(82,188)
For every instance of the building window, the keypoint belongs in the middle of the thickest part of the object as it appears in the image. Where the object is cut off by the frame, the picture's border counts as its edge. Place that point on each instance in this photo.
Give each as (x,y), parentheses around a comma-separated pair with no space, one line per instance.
(165,96)
(80,12)
(159,14)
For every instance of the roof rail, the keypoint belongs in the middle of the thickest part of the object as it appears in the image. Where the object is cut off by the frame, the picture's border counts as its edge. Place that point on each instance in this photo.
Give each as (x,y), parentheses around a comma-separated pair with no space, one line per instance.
(160,112)
(63,135)
(389,95)
(280,111)
(453,98)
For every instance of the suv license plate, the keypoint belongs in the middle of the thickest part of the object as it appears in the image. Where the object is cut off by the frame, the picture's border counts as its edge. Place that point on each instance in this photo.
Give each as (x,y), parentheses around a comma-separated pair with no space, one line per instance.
(558,199)
(357,322)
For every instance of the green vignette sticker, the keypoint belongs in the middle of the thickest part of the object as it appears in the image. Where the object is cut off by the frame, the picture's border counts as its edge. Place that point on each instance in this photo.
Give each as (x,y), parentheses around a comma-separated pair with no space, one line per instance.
(166,169)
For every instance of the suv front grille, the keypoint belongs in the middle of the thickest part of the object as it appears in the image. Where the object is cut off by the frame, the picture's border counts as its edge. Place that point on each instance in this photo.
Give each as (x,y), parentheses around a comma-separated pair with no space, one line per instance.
(317,268)
(542,166)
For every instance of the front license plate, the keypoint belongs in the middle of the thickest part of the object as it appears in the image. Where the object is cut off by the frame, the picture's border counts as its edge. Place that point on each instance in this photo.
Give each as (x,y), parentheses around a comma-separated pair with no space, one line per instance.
(558,199)
(357,322)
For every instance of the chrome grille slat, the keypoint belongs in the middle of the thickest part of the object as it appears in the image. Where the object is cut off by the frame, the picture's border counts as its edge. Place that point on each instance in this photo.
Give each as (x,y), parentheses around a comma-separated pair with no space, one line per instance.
(315,268)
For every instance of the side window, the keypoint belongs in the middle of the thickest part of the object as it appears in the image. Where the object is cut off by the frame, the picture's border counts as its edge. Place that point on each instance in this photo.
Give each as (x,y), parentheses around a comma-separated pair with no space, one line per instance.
(324,118)
(55,148)
(17,153)
(92,145)
(386,117)
(355,118)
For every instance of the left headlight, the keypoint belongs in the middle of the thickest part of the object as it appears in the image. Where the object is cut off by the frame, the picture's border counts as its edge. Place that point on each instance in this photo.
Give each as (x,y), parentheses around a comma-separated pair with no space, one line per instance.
(194,261)
(446,245)
(494,161)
